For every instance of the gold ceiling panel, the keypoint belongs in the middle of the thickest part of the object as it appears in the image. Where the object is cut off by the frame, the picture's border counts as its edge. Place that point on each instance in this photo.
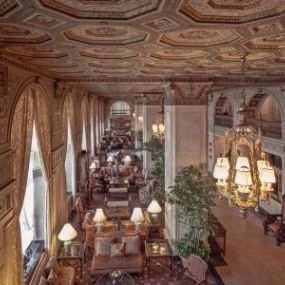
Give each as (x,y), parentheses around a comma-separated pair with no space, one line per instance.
(96,40)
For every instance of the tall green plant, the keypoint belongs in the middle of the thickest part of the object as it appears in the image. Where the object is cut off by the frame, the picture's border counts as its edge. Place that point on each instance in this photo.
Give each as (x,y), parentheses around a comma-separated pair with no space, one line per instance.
(194,193)
(156,147)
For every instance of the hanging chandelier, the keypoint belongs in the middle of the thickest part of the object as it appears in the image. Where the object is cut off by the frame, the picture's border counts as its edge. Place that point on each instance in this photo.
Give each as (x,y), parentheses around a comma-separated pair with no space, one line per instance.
(243,173)
(158,127)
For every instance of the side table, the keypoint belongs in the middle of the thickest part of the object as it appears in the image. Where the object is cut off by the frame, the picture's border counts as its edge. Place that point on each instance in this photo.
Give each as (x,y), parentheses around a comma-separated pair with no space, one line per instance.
(74,258)
(157,250)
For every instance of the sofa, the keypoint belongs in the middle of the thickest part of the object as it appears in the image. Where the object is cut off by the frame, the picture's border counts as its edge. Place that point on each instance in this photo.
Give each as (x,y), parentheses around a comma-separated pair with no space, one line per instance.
(49,272)
(129,257)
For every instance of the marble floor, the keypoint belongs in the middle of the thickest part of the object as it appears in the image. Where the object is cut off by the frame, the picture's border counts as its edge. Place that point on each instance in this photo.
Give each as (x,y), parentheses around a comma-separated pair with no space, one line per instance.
(253,258)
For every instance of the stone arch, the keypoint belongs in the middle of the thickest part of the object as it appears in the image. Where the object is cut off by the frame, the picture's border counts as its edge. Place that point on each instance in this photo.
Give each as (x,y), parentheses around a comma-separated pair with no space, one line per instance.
(257,101)
(33,83)
(223,107)
(115,108)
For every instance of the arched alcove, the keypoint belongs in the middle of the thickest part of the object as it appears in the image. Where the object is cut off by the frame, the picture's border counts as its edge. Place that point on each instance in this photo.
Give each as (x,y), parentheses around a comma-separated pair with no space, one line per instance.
(265,113)
(223,113)
(120,108)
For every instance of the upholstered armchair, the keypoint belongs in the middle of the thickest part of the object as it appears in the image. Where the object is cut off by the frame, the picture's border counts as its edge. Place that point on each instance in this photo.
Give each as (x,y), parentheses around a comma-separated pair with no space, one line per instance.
(194,272)
(275,223)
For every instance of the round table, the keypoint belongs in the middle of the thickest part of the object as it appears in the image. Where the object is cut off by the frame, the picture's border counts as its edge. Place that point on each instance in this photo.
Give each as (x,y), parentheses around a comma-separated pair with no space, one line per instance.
(107,279)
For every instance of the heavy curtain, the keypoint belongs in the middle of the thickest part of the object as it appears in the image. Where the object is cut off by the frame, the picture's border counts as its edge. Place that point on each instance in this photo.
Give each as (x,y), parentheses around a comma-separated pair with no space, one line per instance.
(30,107)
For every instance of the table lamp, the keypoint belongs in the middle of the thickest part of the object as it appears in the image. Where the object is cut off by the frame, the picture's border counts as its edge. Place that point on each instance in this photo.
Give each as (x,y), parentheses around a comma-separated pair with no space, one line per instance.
(137,217)
(67,234)
(99,218)
(154,209)
(127,159)
(110,159)
(92,166)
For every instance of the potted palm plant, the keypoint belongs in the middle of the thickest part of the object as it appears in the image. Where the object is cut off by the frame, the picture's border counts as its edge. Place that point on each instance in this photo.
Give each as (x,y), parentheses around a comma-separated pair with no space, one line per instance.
(194,193)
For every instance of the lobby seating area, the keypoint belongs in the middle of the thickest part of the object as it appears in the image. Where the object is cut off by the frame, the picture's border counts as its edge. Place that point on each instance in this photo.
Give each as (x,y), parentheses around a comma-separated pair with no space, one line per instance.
(114,237)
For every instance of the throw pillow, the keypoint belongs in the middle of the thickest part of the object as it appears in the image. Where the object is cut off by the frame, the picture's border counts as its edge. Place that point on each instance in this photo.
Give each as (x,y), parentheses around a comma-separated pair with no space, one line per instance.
(133,244)
(52,278)
(52,264)
(117,249)
(103,246)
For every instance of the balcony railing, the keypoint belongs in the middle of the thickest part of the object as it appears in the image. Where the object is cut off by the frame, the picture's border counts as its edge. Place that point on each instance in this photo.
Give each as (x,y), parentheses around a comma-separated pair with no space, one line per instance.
(270,129)
(224,121)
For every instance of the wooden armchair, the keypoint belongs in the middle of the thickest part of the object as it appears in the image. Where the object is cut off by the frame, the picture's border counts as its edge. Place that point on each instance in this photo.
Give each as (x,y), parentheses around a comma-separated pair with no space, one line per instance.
(276,223)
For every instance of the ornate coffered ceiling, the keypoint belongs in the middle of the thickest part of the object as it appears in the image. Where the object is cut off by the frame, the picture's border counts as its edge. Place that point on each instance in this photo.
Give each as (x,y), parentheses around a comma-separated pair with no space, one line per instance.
(91,41)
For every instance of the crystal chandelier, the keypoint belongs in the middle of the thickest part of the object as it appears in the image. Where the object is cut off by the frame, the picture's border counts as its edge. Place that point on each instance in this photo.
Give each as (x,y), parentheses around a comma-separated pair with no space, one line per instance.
(158,127)
(243,174)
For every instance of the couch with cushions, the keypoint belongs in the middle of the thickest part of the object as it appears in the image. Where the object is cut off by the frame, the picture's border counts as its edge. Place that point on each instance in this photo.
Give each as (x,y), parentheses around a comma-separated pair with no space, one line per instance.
(49,272)
(117,250)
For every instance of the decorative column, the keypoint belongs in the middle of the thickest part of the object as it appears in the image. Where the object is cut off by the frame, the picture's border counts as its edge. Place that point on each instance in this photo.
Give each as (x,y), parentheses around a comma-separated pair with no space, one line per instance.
(138,124)
(150,111)
(186,134)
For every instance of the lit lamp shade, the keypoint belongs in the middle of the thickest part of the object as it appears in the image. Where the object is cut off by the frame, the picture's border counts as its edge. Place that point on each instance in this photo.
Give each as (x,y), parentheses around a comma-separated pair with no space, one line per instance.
(67,234)
(261,164)
(99,217)
(110,158)
(154,207)
(241,162)
(161,128)
(221,170)
(134,115)
(140,119)
(243,179)
(137,217)
(154,128)
(267,175)
(127,159)
(92,166)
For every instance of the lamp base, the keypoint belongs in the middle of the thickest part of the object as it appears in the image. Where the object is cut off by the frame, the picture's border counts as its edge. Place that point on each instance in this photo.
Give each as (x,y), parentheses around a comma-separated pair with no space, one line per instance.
(154,218)
(67,245)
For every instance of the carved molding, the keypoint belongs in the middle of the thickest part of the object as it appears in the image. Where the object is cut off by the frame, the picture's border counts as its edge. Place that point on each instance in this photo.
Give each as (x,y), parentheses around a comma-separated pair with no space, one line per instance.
(6,200)
(6,166)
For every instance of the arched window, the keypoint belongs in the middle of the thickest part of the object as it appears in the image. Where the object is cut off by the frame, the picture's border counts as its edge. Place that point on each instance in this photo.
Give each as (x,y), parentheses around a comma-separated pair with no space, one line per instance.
(70,163)
(120,108)
(33,216)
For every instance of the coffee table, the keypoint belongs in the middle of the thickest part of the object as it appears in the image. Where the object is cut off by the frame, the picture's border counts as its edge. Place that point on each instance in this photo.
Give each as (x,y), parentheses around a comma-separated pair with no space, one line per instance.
(115,278)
